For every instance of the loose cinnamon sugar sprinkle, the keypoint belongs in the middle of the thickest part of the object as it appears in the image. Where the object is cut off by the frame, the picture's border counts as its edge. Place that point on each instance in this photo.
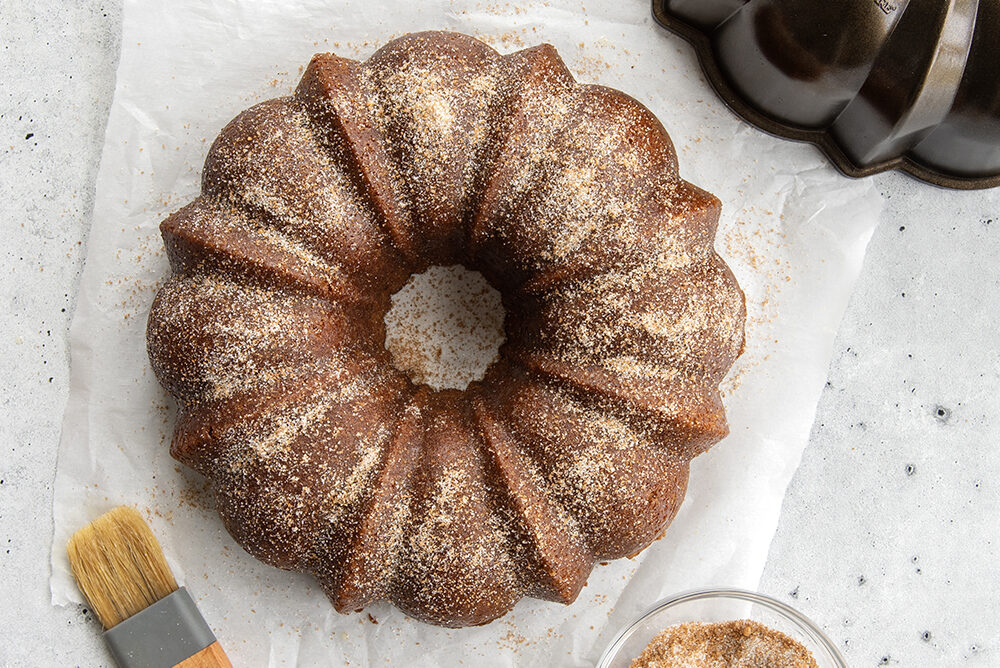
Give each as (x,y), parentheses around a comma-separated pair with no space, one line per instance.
(735,644)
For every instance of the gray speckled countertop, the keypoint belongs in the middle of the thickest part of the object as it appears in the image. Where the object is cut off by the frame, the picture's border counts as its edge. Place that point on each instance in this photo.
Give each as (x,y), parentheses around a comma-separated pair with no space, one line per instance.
(890,532)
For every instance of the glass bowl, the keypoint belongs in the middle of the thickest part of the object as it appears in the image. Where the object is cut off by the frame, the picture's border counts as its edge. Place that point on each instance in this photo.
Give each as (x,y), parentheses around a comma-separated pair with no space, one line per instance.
(719,605)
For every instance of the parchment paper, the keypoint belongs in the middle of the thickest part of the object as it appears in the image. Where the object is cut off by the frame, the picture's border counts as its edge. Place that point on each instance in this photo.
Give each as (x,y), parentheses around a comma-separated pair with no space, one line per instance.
(793,230)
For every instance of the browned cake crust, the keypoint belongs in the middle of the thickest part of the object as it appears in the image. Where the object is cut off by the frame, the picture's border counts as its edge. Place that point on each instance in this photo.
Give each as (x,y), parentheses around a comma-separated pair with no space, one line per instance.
(621,321)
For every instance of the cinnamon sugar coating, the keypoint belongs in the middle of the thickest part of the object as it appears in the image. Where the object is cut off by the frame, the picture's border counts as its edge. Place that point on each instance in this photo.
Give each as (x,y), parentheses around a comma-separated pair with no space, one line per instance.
(621,321)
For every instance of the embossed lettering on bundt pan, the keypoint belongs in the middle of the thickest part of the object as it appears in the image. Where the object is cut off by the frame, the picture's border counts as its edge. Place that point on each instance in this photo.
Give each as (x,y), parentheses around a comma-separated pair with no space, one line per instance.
(574,447)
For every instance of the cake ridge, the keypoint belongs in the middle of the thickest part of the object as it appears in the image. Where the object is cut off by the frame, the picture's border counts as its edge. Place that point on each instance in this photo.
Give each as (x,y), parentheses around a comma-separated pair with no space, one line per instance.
(540,64)
(588,202)
(234,350)
(234,243)
(454,569)
(510,90)
(369,567)
(331,90)
(316,205)
(431,95)
(580,450)
(563,542)
(199,425)
(668,423)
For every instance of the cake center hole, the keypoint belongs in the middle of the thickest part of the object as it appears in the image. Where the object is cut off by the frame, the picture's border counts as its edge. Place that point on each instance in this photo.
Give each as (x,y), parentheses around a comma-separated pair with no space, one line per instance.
(445,327)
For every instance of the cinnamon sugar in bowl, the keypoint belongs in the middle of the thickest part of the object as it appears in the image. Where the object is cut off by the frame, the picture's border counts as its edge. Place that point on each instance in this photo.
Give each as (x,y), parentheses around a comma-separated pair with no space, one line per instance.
(719,623)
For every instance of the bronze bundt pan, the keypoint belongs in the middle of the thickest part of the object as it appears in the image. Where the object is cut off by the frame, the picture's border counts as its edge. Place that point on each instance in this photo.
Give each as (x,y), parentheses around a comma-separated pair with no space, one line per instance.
(876,84)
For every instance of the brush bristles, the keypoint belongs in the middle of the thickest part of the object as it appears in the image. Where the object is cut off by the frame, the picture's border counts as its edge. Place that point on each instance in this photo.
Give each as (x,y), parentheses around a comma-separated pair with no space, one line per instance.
(119,565)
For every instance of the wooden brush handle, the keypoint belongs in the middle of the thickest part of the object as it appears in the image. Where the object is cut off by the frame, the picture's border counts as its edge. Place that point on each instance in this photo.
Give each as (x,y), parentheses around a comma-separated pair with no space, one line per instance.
(211,657)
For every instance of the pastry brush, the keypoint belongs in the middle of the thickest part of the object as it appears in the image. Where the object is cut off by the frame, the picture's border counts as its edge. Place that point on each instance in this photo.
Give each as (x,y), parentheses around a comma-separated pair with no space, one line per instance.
(149,621)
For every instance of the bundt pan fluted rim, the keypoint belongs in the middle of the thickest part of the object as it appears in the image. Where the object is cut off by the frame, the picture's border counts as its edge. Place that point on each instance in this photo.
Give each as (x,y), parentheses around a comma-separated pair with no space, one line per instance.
(316,207)
(942,125)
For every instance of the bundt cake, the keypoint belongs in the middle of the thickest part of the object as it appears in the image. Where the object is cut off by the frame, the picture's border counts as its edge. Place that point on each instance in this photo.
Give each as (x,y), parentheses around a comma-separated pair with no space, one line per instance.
(620,322)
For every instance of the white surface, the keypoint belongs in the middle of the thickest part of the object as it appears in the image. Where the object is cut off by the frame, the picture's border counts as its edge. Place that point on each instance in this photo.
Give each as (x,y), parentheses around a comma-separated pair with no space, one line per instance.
(48,187)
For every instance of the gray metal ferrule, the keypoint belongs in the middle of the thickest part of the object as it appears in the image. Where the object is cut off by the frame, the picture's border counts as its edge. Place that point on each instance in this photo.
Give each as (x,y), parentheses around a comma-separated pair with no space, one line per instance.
(161,636)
